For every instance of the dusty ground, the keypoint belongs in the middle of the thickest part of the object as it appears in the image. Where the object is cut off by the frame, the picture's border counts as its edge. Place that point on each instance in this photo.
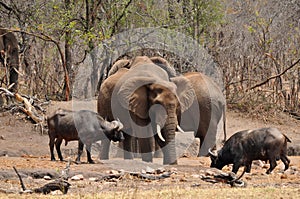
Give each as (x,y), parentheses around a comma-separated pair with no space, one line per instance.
(22,146)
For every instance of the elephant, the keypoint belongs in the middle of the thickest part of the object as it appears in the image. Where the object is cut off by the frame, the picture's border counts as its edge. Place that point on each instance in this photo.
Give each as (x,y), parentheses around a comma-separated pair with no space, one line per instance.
(192,100)
(147,101)
(9,56)
(211,111)
(122,63)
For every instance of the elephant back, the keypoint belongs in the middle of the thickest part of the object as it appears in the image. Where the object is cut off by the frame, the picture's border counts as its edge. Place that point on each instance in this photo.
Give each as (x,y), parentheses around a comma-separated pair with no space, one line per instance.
(164,64)
(122,63)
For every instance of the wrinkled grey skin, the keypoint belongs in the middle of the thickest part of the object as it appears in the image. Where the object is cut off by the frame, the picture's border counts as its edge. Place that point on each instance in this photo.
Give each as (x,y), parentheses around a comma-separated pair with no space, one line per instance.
(267,144)
(141,97)
(9,51)
(206,113)
(85,126)
(122,63)
(205,110)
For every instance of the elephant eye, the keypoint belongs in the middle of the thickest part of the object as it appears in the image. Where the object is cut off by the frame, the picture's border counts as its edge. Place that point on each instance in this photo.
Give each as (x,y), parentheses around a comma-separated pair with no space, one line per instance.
(159,90)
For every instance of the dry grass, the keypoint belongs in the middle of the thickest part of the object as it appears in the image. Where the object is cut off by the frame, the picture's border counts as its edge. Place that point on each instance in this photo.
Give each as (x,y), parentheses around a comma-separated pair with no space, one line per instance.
(268,192)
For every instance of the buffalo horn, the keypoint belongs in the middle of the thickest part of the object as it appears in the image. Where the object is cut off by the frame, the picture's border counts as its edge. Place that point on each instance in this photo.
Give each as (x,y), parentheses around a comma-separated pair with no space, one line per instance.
(117,125)
(159,133)
(211,153)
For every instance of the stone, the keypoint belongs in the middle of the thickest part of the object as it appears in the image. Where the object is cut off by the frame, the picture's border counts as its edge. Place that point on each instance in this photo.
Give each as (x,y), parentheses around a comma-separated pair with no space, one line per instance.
(47,178)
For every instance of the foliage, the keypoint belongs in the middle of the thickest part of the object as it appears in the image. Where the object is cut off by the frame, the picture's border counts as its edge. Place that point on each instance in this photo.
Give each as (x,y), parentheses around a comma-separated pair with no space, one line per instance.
(250,41)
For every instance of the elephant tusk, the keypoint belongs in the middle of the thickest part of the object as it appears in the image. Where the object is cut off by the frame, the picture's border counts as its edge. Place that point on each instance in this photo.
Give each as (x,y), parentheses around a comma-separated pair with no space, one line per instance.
(180,129)
(159,133)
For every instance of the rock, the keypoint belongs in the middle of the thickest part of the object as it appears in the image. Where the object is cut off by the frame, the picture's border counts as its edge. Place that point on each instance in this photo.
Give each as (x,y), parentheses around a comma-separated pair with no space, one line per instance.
(195,176)
(114,172)
(160,170)
(93,179)
(183,179)
(173,169)
(47,178)
(150,170)
(77,177)
(121,171)
(266,166)
(283,176)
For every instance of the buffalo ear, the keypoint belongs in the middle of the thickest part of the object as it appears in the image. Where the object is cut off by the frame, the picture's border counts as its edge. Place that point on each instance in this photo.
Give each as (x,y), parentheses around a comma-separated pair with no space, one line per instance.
(184,91)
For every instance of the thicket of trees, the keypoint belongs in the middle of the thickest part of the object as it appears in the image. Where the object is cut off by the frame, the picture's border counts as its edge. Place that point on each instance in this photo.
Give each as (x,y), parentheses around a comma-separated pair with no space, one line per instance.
(255,43)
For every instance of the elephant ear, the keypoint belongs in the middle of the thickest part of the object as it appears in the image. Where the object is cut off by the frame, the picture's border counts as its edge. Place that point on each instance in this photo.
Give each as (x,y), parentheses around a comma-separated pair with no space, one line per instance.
(184,91)
(133,95)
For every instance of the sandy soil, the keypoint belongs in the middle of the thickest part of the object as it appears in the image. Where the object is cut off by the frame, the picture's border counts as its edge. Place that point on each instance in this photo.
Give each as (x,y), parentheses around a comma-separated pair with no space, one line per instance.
(22,146)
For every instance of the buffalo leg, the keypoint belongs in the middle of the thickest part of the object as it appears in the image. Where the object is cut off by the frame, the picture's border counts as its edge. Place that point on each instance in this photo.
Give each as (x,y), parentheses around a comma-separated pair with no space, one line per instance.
(88,153)
(58,142)
(236,167)
(248,167)
(80,150)
(285,161)
(273,164)
(51,145)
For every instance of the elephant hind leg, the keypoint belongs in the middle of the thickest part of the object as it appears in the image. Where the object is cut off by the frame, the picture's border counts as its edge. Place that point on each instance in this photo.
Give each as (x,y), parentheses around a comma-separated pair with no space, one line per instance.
(158,152)
(104,149)
(127,147)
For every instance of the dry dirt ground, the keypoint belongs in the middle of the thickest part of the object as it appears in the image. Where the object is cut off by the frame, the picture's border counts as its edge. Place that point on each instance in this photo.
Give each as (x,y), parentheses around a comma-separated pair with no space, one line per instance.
(22,146)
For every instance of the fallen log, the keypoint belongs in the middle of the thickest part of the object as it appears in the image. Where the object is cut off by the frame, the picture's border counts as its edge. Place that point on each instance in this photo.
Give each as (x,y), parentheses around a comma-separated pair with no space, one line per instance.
(215,176)
(59,184)
(139,175)
(28,108)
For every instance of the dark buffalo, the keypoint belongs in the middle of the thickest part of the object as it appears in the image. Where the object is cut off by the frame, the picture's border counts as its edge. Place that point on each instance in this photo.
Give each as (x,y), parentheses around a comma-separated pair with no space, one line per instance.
(245,146)
(85,126)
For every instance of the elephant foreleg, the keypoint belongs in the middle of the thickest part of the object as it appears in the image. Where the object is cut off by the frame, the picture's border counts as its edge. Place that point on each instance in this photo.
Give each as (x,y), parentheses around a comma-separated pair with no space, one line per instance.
(127,146)
(157,152)
(146,147)
(168,149)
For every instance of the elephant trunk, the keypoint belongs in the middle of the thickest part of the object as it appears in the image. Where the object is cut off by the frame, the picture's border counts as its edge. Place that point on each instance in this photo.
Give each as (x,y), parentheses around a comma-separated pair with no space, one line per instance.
(169,129)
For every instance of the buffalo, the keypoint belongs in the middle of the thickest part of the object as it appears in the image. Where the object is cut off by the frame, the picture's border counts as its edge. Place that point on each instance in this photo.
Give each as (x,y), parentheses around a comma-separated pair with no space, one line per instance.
(245,146)
(85,126)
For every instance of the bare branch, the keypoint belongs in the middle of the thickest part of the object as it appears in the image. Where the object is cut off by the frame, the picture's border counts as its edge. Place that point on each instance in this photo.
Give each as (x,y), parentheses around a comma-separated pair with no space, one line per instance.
(20,178)
(274,76)
(5,6)
(119,18)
